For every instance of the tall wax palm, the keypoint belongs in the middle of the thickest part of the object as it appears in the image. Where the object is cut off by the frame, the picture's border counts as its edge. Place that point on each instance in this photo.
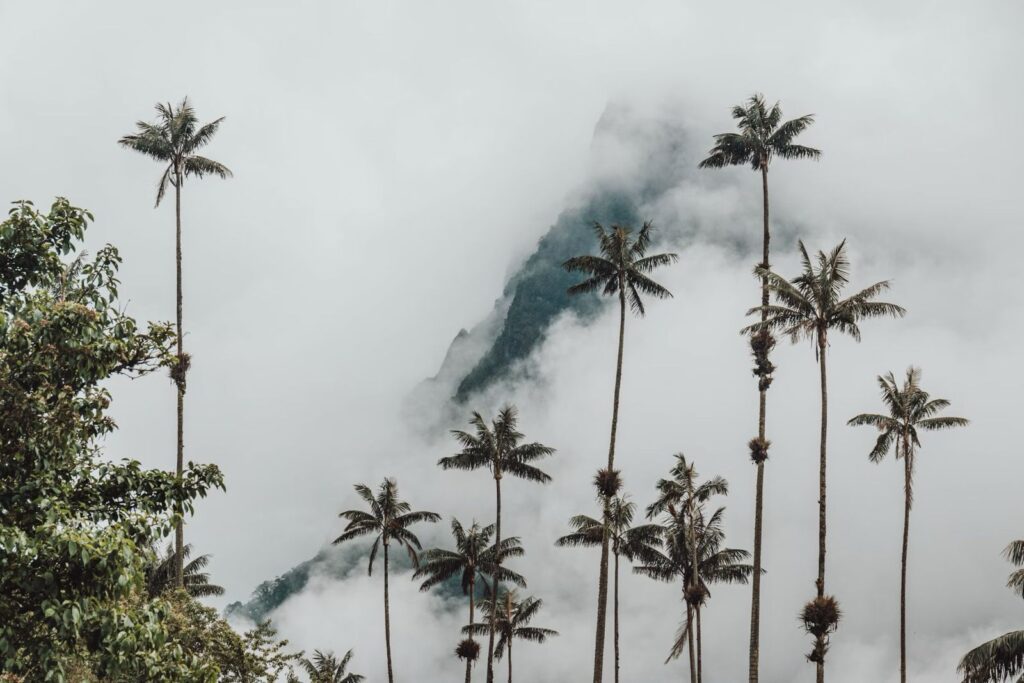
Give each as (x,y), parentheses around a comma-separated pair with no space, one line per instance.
(174,139)
(684,493)
(621,269)
(327,668)
(512,618)
(498,448)
(762,137)
(472,558)
(911,409)
(388,520)
(809,308)
(1000,658)
(715,565)
(160,575)
(635,543)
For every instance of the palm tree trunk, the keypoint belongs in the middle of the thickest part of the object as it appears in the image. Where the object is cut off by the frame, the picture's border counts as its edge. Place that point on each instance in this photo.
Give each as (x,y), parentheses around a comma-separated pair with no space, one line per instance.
(494,579)
(820,583)
(387,617)
(689,642)
(755,605)
(510,659)
(616,617)
(700,648)
(472,595)
(179,533)
(602,581)
(695,578)
(903,567)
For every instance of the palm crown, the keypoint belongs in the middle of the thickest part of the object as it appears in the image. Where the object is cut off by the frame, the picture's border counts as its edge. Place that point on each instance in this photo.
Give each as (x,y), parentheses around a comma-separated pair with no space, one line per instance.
(683,489)
(196,582)
(389,520)
(762,135)
(175,138)
(910,409)
(810,305)
(327,668)
(474,555)
(715,564)
(622,266)
(1003,657)
(497,447)
(635,543)
(512,620)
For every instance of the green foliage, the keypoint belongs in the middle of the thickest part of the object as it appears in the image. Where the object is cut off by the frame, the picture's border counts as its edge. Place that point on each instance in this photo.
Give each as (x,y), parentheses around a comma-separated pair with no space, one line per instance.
(175,138)
(75,530)
(256,656)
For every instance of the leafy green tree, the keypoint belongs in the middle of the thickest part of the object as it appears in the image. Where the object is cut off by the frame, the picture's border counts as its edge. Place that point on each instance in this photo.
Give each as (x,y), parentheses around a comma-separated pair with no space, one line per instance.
(472,558)
(388,521)
(809,308)
(255,656)
(174,139)
(1000,658)
(75,528)
(635,543)
(327,668)
(621,269)
(498,448)
(911,409)
(160,575)
(512,619)
(762,137)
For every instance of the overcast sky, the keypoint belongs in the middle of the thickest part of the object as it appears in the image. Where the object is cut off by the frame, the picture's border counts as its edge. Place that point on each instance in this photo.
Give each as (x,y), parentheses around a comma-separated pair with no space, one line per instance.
(394,161)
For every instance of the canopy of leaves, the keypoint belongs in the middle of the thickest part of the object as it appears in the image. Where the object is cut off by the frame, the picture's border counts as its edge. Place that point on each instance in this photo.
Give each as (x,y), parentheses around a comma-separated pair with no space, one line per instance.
(762,136)
(75,529)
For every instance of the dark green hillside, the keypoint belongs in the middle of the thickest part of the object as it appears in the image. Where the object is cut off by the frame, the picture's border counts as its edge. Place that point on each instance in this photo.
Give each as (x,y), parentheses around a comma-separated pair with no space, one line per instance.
(538,290)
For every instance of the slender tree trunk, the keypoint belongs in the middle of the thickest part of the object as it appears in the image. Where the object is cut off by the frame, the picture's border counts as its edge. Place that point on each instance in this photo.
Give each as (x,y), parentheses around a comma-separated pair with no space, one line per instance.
(689,642)
(602,582)
(695,575)
(387,617)
(615,616)
(907,465)
(179,533)
(820,583)
(472,596)
(510,659)
(494,578)
(700,648)
(755,606)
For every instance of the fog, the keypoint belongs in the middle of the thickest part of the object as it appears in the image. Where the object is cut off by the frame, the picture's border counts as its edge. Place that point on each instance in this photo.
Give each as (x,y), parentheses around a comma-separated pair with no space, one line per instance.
(395,161)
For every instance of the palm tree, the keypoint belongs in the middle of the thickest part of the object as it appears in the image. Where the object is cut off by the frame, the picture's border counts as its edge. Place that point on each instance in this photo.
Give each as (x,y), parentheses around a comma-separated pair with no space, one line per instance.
(497,447)
(174,140)
(160,575)
(910,409)
(388,520)
(808,308)
(1002,657)
(715,565)
(761,138)
(621,269)
(683,492)
(635,543)
(471,558)
(511,618)
(326,668)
